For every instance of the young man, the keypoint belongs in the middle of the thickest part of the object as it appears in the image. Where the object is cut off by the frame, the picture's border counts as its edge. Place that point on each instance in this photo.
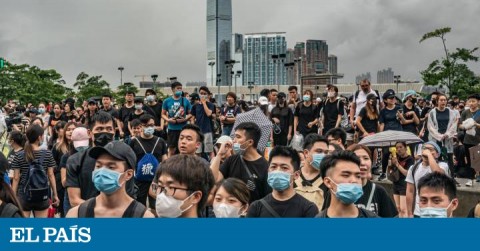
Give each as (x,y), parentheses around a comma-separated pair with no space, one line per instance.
(309,183)
(136,114)
(190,139)
(229,114)
(429,164)
(154,108)
(472,134)
(246,164)
(337,136)
(438,196)
(149,150)
(333,110)
(182,188)
(176,111)
(284,164)
(272,99)
(124,114)
(341,175)
(202,113)
(114,165)
(108,107)
(80,165)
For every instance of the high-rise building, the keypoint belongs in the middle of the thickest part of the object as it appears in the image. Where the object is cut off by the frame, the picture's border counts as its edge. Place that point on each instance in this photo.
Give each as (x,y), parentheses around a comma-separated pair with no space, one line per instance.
(299,50)
(258,65)
(332,67)
(237,55)
(219,35)
(317,56)
(385,76)
(363,76)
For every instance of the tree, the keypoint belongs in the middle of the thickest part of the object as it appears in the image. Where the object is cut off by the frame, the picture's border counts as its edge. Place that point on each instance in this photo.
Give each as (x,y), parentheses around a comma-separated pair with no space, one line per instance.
(451,71)
(93,86)
(30,84)
(122,90)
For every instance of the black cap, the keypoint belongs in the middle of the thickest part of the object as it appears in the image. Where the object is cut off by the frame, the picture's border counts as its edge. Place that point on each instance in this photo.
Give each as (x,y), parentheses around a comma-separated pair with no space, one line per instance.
(194,96)
(281,95)
(92,100)
(138,100)
(118,150)
(388,94)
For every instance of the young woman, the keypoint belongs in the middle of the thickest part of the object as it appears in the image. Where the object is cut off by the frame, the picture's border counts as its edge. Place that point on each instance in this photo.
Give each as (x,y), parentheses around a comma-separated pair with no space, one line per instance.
(45,116)
(57,133)
(21,164)
(70,112)
(402,161)
(306,115)
(231,199)
(282,118)
(9,205)
(367,119)
(58,115)
(16,141)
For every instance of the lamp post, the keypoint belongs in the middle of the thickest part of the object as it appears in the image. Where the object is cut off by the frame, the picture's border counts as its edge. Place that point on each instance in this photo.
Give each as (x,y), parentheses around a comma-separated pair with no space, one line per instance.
(154,78)
(289,66)
(121,74)
(397,80)
(274,61)
(229,65)
(237,75)
(250,87)
(281,58)
(211,64)
(218,84)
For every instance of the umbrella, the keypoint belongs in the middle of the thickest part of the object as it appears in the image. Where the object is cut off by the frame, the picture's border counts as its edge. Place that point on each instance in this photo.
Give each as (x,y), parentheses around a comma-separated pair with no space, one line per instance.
(258,117)
(389,138)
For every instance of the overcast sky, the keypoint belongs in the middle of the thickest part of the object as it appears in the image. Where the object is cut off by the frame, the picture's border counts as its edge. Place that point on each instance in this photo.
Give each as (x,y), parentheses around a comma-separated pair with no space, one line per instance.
(168,37)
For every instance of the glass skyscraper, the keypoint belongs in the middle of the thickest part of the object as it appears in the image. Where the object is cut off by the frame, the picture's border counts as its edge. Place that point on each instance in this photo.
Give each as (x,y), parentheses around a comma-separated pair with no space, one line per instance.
(219,35)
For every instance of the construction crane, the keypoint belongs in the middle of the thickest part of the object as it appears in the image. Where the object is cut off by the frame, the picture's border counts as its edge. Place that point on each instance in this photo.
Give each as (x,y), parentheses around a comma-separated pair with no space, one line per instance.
(142,76)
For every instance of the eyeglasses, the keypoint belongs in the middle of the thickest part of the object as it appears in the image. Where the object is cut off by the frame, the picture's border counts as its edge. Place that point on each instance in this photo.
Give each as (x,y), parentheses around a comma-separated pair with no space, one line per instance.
(170,191)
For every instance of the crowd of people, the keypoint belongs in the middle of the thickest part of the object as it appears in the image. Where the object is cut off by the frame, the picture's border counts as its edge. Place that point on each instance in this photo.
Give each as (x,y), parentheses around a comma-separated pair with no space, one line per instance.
(188,156)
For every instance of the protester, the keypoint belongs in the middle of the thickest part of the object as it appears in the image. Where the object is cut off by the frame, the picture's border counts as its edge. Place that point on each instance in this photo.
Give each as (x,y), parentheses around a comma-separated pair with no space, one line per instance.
(231,199)
(367,119)
(10,207)
(337,136)
(202,114)
(154,108)
(306,115)
(472,138)
(124,114)
(282,118)
(333,110)
(438,196)
(401,162)
(229,113)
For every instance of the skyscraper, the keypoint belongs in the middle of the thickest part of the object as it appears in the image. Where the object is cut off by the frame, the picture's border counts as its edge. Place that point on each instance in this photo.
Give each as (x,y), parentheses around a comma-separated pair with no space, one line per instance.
(219,35)
(363,76)
(258,65)
(385,76)
(237,55)
(317,56)
(332,67)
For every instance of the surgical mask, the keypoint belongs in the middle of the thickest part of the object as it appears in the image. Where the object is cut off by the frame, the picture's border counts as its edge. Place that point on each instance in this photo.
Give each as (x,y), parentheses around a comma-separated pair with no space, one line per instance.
(203,96)
(331,94)
(316,160)
(434,212)
(148,131)
(178,93)
(150,98)
(306,98)
(348,193)
(81,148)
(106,180)
(169,207)
(223,210)
(139,107)
(41,110)
(237,149)
(102,138)
(279,180)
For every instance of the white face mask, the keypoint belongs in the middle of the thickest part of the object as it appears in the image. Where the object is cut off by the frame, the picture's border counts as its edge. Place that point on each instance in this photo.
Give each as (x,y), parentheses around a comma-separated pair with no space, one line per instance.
(169,207)
(331,94)
(223,210)
(434,212)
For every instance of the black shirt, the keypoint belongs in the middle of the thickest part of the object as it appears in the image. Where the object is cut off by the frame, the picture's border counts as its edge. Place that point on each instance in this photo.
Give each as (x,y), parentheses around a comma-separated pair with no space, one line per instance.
(331,112)
(362,213)
(306,115)
(406,163)
(148,144)
(412,127)
(230,112)
(285,115)
(233,168)
(389,119)
(370,125)
(442,120)
(124,115)
(155,111)
(295,207)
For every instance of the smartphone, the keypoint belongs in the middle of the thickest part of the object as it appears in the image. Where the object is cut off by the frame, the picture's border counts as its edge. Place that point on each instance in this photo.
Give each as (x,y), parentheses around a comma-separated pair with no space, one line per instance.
(400,111)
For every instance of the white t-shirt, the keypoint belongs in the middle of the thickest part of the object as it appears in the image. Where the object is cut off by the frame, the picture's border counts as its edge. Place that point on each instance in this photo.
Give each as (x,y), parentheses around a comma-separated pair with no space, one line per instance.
(419,173)
(361,100)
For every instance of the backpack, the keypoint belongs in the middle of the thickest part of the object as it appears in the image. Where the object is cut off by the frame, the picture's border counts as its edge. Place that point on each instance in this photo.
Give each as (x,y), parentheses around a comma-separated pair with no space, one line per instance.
(311,192)
(36,186)
(147,165)
(9,210)
(344,123)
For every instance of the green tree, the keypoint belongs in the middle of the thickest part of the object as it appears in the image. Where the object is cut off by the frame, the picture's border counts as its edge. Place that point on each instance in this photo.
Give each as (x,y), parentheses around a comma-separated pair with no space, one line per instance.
(450,71)
(93,86)
(122,90)
(31,84)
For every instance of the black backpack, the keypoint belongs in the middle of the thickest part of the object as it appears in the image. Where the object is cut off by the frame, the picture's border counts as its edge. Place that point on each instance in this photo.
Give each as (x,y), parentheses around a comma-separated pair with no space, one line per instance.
(134,210)
(36,186)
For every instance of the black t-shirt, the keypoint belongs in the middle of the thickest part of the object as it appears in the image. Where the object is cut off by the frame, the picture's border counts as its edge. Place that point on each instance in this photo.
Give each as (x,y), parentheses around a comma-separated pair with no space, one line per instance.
(233,168)
(389,118)
(362,213)
(148,144)
(442,120)
(382,205)
(155,111)
(124,115)
(295,207)
(412,127)
(230,112)
(331,112)
(406,163)
(133,116)
(370,125)
(52,121)
(306,115)
(285,115)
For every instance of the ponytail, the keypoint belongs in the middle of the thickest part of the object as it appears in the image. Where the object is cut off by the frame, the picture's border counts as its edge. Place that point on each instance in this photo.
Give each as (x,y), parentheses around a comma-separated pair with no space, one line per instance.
(33,133)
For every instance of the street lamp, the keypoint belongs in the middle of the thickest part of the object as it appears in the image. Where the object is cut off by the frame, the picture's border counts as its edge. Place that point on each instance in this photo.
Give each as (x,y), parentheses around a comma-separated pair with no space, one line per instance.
(218,85)
(211,64)
(397,80)
(289,66)
(250,87)
(299,62)
(239,73)
(121,74)
(229,65)
(274,60)
(154,78)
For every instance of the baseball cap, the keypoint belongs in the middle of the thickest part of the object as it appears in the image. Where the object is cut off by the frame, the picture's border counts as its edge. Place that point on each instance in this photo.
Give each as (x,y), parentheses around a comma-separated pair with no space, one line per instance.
(223,139)
(388,94)
(80,137)
(138,100)
(435,145)
(263,100)
(194,96)
(116,149)
(92,100)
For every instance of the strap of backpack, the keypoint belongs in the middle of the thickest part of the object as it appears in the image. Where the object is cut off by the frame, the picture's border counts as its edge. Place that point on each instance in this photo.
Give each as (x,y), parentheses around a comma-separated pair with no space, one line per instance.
(246,167)
(134,210)
(269,209)
(142,146)
(369,203)
(158,139)
(87,209)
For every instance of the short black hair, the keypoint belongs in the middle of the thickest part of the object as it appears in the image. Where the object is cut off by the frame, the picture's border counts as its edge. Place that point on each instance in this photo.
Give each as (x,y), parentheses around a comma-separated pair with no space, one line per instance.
(18,138)
(265,92)
(252,131)
(101,117)
(337,133)
(175,84)
(331,161)
(191,171)
(200,136)
(135,123)
(273,90)
(313,138)
(204,88)
(439,181)
(107,95)
(233,95)
(292,87)
(474,96)
(130,92)
(145,118)
(288,152)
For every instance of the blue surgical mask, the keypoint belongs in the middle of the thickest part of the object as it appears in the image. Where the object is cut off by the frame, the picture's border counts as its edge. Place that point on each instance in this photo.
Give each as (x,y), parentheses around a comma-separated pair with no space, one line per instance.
(237,149)
(149,131)
(348,193)
(41,110)
(278,180)
(106,180)
(178,93)
(306,98)
(139,107)
(434,212)
(316,160)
